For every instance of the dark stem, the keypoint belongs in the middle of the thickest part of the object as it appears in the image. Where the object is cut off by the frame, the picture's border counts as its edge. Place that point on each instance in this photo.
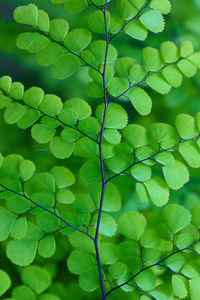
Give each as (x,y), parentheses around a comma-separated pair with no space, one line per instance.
(102,162)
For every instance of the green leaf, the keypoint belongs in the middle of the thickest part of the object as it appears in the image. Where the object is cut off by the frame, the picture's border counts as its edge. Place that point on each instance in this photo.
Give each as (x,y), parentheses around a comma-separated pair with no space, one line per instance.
(89,126)
(63,176)
(169,52)
(5,282)
(96,21)
(23,292)
(138,3)
(78,39)
(70,135)
(135,135)
(177,217)
(173,76)
(61,149)
(194,285)
(116,24)
(186,48)
(90,172)
(48,296)
(95,90)
(41,182)
(32,42)
(112,136)
(26,169)
(136,30)
(21,252)
(158,191)
(125,9)
(68,116)
(186,126)
(117,86)
(132,225)
(47,222)
(158,83)
(37,278)
(47,246)
(85,148)
(163,6)
(79,262)
(18,205)
(112,198)
(81,241)
(19,229)
(89,281)
(5,83)
(191,153)
(116,117)
(187,68)
(17,90)
(65,196)
(58,29)
(84,202)
(43,21)
(137,73)
(42,133)
(13,113)
(80,106)
(142,192)
(117,163)
(98,48)
(44,199)
(153,21)
(33,96)
(75,6)
(194,58)
(117,270)
(51,105)
(4,101)
(33,232)
(146,280)
(176,174)
(162,291)
(108,226)
(65,66)
(7,220)
(152,59)
(161,131)
(141,172)
(26,14)
(108,253)
(123,66)
(50,55)
(175,262)
(1,160)
(140,101)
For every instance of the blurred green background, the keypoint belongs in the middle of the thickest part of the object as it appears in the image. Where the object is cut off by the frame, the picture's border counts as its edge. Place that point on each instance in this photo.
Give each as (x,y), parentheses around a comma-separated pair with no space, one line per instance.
(182,23)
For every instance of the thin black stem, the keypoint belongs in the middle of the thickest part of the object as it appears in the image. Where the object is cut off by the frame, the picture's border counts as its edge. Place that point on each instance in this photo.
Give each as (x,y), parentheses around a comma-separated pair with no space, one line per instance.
(101,161)
(51,117)
(145,159)
(143,80)
(47,210)
(151,266)
(95,5)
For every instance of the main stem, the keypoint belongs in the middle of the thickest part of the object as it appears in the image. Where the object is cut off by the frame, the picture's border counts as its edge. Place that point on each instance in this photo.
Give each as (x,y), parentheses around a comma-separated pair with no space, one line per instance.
(101,161)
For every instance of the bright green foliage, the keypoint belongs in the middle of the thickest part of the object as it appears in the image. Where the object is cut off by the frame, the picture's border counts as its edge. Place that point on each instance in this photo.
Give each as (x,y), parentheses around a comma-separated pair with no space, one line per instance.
(19,229)
(37,278)
(79,262)
(22,252)
(101,185)
(158,191)
(140,101)
(153,21)
(176,174)
(116,116)
(7,220)
(5,282)
(177,217)
(132,225)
